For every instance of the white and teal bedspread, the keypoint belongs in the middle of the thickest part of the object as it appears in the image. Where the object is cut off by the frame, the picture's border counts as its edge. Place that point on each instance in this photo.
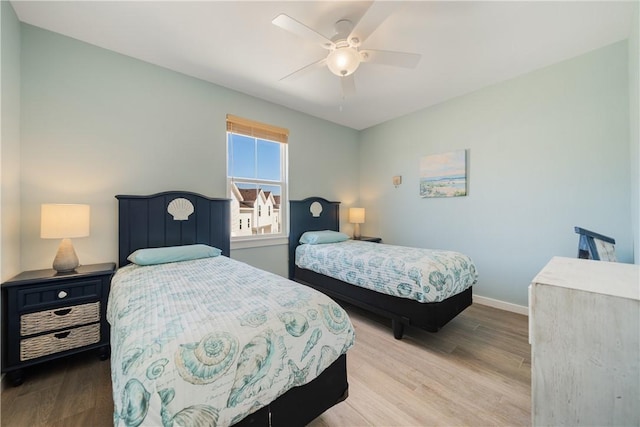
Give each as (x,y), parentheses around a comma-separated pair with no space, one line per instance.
(209,341)
(424,275)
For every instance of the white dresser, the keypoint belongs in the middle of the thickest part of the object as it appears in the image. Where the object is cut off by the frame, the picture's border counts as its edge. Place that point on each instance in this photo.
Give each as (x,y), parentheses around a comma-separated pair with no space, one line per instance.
(584,328)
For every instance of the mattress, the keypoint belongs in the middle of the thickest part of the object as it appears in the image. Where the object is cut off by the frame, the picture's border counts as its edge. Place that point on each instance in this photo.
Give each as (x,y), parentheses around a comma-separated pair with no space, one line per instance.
(424,275)
(209,341)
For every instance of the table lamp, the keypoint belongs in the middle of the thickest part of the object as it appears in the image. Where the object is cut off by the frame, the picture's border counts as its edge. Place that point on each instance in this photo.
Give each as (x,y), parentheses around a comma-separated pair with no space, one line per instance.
(356,216)
(62,221)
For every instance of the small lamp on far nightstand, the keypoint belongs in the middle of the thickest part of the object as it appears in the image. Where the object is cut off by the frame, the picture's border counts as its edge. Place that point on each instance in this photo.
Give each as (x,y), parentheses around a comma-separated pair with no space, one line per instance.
(59,221)
(356,216)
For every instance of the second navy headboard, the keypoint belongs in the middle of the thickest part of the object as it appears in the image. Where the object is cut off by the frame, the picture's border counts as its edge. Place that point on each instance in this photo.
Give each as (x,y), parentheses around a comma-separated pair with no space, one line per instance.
(310,214)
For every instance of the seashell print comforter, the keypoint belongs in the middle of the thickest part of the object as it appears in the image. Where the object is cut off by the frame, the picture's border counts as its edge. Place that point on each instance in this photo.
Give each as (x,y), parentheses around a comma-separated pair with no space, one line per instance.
(424,275)
(209,341)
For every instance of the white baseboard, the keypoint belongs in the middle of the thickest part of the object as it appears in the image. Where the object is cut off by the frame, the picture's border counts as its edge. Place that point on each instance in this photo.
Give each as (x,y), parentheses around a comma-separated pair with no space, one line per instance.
(502,305)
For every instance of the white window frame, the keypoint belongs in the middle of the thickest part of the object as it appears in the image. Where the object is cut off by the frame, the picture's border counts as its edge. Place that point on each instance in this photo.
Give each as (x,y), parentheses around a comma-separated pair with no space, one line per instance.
(258,240)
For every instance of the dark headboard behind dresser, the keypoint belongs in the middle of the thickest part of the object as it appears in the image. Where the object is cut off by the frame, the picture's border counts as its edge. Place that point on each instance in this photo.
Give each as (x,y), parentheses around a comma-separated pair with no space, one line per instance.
(172,218)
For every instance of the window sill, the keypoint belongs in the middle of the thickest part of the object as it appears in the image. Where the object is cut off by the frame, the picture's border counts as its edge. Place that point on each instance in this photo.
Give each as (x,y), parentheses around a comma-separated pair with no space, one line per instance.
(259,242)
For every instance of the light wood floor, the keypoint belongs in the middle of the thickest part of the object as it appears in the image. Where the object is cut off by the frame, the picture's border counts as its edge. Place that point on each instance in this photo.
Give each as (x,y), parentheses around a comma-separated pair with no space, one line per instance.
(476,371)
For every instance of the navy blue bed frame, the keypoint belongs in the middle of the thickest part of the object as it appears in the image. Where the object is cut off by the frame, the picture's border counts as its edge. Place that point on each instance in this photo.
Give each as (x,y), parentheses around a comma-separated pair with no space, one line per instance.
(401,311)
(145,223)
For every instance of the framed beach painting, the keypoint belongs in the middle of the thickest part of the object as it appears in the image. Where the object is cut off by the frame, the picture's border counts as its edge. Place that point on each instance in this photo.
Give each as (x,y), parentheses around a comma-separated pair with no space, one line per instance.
(444,175)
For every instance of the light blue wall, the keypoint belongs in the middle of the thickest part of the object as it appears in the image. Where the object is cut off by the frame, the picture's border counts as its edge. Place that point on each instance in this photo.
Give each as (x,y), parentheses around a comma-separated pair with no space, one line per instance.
(10,143)
(634,128)
(547,151)
(96,123)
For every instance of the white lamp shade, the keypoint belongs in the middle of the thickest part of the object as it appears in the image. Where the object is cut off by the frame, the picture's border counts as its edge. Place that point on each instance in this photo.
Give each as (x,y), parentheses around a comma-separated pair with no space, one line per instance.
(343,61)
(59,221)
(356,215)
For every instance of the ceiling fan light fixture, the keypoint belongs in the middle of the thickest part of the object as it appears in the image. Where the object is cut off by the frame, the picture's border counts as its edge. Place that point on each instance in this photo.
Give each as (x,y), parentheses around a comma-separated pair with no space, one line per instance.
(343,61)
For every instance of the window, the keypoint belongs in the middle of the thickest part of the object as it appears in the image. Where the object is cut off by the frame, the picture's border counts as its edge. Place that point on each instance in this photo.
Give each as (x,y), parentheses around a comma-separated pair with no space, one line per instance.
(257,178)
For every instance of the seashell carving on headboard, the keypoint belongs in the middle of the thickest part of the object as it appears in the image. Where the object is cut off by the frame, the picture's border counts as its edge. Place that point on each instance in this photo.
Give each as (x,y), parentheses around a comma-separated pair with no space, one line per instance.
(315,209)
(180,208)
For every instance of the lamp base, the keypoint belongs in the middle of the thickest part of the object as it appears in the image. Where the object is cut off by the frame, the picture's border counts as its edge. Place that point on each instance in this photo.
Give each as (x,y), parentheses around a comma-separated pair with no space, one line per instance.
(356,231)
(66,259)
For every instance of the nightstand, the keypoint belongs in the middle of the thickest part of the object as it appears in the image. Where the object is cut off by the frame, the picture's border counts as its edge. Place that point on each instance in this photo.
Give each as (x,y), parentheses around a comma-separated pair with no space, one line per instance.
(369,239)
(48,315)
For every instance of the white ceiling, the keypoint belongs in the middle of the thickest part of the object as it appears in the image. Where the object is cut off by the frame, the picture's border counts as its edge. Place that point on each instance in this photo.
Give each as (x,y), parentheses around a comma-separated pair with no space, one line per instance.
(464,45)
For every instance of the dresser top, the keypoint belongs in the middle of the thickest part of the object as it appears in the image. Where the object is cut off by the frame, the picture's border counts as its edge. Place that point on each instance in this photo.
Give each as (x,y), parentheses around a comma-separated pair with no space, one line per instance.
(608,278)
(49,274)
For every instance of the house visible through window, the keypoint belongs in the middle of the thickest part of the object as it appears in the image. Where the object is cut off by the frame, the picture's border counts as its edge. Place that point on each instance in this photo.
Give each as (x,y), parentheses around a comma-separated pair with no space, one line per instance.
(256,173)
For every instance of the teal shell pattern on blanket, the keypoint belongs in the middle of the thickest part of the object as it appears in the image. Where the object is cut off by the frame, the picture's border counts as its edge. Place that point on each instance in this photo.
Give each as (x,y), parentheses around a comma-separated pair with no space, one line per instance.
(425,275)
(295,323)
(207,360)
(135,403)
(334,318)
(260,361)
(179,360)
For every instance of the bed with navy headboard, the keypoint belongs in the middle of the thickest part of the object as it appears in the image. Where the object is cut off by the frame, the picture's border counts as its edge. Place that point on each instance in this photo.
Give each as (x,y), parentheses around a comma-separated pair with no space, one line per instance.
(145,222)
(316,213)
(197,337)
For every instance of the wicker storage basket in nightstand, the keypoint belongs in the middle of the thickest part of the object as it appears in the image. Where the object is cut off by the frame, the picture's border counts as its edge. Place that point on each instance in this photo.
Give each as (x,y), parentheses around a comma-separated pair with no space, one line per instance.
(56,342)
(51,320)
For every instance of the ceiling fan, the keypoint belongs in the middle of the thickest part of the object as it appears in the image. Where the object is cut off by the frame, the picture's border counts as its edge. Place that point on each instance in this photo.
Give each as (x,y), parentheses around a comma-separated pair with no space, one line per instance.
(345,52)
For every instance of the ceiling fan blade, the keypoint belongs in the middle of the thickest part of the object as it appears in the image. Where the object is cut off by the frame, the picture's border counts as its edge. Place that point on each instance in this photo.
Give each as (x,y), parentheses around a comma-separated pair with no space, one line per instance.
(372,18)
(289,24)
(305,69)
(348,86)
(387,57)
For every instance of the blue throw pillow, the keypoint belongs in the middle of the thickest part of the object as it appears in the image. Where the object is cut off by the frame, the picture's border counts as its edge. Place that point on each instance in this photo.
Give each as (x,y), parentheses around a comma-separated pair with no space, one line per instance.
(323,236)
(151,256)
